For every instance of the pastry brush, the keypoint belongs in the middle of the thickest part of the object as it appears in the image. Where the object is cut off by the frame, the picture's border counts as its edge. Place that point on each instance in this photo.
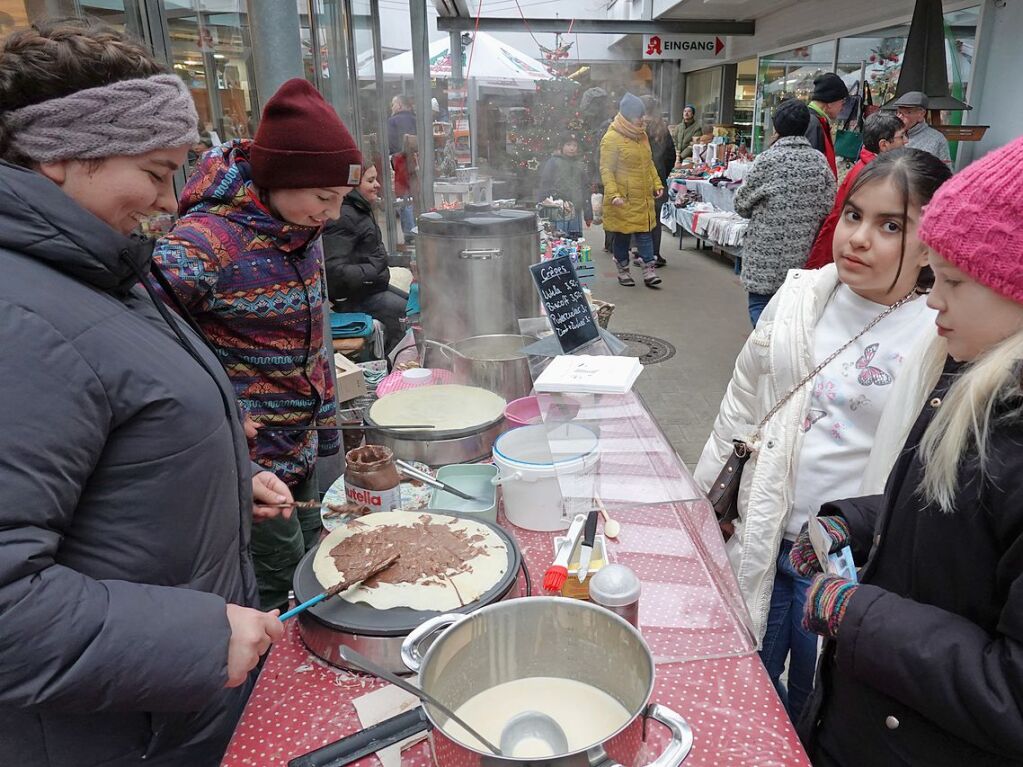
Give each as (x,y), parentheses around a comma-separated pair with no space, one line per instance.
(557,573)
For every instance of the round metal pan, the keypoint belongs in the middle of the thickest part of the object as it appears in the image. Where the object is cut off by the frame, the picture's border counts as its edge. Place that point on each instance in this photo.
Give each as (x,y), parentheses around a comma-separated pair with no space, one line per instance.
(432,435)
(426,447)
(361,619)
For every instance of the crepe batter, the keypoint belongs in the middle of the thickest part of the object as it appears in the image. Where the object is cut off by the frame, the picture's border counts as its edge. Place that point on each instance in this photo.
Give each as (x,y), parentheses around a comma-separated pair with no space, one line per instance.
(448,407)
(445,562)
(586,714)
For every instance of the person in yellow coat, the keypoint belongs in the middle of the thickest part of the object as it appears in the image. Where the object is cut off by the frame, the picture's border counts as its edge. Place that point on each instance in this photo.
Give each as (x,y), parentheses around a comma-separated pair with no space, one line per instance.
(631,184)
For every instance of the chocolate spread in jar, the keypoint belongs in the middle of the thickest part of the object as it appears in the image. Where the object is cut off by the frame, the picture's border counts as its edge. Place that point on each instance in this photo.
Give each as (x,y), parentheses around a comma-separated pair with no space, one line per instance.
(371,478)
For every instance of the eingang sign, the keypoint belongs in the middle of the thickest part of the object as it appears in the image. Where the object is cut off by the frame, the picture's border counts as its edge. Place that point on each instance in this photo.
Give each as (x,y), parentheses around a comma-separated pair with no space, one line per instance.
(663,47)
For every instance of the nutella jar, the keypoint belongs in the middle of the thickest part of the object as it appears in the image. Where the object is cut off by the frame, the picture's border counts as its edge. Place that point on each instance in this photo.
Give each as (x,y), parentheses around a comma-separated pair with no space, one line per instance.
(371,478)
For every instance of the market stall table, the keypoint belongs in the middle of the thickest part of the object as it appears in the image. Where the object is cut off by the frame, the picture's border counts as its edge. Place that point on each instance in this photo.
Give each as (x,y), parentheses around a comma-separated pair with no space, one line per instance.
(301,703)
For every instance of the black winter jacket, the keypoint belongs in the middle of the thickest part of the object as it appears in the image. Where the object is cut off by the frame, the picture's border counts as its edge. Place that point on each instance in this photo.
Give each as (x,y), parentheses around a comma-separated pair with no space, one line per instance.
(354,254)
(927,668)
(125,503)
(662,149)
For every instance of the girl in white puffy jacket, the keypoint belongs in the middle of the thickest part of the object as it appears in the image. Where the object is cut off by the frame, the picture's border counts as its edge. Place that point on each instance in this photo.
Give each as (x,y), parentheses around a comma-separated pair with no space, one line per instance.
(839,434)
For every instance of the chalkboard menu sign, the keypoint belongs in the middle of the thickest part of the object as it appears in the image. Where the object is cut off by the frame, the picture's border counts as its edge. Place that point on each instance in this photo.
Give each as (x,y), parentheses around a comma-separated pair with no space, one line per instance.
(563,299)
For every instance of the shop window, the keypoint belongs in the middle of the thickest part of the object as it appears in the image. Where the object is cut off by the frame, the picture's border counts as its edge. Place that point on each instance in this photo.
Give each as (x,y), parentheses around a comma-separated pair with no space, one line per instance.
(877,57)
(211,53)
(703,91)
(15,14)
(788,74)
(745,100)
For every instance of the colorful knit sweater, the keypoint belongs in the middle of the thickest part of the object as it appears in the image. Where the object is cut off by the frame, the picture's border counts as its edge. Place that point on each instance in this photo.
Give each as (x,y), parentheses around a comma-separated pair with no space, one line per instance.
(254,285)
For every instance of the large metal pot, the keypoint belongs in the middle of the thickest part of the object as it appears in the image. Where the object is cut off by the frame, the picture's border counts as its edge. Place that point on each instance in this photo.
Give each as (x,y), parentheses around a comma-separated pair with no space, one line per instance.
(474,272)
(520,638)
(494,362)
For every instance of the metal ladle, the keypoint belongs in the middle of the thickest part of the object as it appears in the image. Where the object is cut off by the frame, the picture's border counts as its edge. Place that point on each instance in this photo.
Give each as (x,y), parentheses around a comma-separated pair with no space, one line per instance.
(359,661)
(533,725)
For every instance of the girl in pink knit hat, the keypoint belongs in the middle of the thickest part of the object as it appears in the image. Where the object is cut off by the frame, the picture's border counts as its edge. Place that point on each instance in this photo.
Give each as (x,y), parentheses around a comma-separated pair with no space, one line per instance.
(923,662)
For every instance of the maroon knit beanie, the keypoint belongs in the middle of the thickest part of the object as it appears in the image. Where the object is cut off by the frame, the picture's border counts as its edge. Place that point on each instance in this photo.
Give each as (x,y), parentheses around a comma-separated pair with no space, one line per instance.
(302,143)
(973,221)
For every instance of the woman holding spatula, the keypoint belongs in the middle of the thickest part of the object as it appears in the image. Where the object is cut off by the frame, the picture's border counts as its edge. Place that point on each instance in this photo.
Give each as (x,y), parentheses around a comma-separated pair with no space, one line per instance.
(126,493)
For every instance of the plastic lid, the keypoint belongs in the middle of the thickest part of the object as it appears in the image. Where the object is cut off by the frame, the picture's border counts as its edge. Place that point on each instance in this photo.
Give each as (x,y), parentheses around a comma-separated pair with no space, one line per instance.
(614,585)
(478,221)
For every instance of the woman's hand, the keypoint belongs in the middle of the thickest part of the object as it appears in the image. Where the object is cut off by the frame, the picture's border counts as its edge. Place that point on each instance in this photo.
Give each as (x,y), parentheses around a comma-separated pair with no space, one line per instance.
(268,489)
(251,428)
(618,202)
(803,558)
(252,633)
(826,603)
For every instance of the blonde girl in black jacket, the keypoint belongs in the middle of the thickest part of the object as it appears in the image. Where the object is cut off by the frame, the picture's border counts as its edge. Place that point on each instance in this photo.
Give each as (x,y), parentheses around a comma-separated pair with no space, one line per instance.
(924,663)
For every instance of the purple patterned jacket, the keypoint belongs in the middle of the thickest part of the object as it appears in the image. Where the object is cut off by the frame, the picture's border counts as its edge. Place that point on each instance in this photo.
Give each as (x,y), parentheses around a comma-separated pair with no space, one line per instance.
(254,284)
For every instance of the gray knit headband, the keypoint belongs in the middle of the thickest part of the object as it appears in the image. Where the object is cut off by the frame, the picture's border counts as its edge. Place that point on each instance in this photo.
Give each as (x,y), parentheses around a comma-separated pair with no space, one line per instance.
(129,117)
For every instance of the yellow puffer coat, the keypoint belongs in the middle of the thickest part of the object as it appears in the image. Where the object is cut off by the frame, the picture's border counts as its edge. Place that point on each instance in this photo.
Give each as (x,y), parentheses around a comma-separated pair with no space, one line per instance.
(627,170)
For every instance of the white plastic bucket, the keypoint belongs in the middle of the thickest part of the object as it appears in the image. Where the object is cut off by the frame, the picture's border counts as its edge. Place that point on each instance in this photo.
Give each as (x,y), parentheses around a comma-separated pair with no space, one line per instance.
(537,485)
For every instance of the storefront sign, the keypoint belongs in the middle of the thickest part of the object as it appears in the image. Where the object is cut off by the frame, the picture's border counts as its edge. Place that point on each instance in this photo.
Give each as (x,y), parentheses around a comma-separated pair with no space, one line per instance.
(663,47)
(565,303)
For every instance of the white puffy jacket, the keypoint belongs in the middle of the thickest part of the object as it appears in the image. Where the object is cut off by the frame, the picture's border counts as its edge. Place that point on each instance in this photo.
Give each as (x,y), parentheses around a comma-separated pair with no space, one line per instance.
(777,355)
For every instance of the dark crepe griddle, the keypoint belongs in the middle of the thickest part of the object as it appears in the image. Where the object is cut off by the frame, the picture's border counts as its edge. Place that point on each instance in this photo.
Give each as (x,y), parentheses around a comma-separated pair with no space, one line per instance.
(359,618)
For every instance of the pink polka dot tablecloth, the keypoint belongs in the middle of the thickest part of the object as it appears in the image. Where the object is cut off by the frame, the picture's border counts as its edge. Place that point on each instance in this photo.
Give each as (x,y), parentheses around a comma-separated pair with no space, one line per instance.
(300,703)
(396,382)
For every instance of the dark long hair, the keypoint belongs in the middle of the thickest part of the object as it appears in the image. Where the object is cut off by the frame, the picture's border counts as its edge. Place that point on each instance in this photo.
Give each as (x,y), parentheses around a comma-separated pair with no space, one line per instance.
(917,175)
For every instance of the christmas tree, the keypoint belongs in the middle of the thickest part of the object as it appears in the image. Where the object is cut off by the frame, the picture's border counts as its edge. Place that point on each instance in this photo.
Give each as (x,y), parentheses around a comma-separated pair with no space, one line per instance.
(535,133)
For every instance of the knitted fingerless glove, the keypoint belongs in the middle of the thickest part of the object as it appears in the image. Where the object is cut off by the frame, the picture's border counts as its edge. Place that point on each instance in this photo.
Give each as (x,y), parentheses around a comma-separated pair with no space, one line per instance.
(802,557)
(826,602)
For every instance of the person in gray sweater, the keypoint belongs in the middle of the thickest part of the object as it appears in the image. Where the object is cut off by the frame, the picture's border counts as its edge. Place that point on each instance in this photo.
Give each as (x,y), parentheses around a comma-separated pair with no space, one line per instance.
(786,196)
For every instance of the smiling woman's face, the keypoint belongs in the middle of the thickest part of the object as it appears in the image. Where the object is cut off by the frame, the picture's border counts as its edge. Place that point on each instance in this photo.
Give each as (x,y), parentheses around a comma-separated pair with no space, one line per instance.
(308,207)
(370,184)
(121,190)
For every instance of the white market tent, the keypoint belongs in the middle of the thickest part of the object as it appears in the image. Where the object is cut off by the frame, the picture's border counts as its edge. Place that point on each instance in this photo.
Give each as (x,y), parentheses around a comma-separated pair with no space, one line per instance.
(494,64)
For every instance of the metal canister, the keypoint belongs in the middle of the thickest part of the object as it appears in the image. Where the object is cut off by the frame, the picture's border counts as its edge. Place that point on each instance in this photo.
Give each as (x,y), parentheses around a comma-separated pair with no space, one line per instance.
(617,588)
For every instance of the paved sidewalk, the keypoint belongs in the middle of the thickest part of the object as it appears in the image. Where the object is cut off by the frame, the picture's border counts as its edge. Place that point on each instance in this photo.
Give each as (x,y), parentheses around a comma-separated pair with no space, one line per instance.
(700,308)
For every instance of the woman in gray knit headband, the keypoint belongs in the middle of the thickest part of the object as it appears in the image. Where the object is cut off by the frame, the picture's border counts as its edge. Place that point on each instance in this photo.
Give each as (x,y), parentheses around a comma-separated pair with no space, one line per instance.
(141,128)
(126,501)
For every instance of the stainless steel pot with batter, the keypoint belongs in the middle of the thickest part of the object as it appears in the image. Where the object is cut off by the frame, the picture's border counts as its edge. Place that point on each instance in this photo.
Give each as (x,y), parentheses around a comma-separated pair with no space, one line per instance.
(522,638)
(493,362)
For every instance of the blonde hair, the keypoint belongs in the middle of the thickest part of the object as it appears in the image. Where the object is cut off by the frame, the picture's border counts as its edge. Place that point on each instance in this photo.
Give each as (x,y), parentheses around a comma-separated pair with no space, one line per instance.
(964,420)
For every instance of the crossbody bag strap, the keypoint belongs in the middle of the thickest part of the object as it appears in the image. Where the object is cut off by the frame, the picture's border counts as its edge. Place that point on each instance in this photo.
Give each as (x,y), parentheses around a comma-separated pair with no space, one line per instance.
(755,438)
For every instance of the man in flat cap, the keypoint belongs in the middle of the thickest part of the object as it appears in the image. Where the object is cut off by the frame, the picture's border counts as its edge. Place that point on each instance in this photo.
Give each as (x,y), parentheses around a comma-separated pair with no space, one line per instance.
(911,107)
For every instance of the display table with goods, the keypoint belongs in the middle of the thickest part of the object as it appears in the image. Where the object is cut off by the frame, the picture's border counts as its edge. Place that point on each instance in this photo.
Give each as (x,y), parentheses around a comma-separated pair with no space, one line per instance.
(646,658)
(701,203)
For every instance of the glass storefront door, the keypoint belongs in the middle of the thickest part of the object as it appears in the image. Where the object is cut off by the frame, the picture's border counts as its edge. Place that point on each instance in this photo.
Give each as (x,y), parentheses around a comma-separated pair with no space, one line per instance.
(788,74)
(210,51)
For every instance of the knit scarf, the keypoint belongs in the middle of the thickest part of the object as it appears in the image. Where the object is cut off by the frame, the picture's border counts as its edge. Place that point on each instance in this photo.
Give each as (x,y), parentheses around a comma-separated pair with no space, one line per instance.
(815,108)
(627,129)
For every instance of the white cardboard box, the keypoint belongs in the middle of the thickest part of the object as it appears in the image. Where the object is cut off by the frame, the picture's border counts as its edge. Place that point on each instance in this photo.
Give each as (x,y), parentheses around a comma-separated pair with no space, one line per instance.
(350,381)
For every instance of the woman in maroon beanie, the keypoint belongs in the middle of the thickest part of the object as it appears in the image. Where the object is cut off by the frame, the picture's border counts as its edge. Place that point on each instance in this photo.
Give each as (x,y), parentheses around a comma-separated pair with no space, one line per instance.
(244,261)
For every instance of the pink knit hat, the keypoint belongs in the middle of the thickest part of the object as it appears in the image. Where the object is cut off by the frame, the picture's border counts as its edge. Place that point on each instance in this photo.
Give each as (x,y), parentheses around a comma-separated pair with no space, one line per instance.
(973,221)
